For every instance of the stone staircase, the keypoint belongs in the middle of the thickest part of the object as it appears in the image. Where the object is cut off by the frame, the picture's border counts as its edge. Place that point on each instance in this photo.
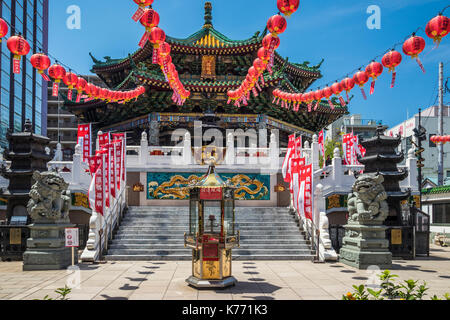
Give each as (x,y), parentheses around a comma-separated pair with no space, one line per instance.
(156,233)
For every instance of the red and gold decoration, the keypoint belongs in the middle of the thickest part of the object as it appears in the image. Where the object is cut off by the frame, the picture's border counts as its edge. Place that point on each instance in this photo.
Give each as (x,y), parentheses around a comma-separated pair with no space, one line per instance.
(3,29)
(440,139)
(41,62)
(57,73)
(413,47)
(374,70)
(276,25)
(337,89)
(19,47)
(71,80)
(347,85)
(437,28)
(141,10)
(149,20)
(361,78)
(288,7)
(81,87)
(391,60)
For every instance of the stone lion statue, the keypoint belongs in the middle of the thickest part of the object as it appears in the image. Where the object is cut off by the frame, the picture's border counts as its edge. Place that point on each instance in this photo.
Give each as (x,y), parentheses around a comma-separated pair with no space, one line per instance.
(50,197)
(368,202)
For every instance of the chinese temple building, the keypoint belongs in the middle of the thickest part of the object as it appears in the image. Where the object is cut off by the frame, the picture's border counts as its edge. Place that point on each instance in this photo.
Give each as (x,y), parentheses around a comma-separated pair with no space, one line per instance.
(209,64)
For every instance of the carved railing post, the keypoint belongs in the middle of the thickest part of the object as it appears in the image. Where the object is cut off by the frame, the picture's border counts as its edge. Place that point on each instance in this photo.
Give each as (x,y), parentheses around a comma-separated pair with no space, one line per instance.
(187,152)
(77,165)
(230,154)
(143,153)
(337,168)
(315,153)
(274,152)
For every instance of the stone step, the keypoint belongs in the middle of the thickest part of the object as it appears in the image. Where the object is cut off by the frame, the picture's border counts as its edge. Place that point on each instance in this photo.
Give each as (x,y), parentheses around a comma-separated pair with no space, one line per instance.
(163,229)
(244,246)
(242,252)
(297,257)
(181,242)
(255,237)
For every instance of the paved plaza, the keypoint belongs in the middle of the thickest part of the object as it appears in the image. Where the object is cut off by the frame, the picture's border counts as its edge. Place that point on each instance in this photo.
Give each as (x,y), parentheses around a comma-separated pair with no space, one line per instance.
(259,280)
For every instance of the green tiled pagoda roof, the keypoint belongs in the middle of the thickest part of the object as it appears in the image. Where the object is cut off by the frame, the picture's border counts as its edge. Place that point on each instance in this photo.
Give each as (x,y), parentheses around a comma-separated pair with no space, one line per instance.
(437,190)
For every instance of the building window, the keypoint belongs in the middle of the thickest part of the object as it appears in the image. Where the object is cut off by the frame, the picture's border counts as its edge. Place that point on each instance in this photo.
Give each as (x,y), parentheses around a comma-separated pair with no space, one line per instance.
(441,213)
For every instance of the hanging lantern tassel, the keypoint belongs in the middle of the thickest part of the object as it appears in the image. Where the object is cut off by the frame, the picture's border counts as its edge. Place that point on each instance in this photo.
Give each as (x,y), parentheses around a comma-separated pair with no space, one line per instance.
(144,40)
(274,99)
(78,97)
(55,90)
(138,14)
(372,87)
(309,106)
(330,104)
(70,94)
(16,64)
(155,55)
(363,93)
(394,76)
(420,64)
(348,99)
(317,105)
(342,101)
(46,78)
(255,93)
(262,80)
(257,85)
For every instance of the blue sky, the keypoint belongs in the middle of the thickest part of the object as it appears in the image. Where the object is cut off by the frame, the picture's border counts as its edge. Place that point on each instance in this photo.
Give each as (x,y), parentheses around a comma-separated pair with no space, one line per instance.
(334,30)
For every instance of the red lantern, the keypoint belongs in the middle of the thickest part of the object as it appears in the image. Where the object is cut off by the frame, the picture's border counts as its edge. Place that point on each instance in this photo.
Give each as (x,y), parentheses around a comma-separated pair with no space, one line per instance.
(348,84)
(270,41)
(3,29)
(318,95)
(141,10)
(264,54)
(149,20)
(438,28)
(19,47)
(253,73)
(81,86)
(374,70)
(328,92)
(57,73)
(276,25)
(337,89)
(259,65)
(41,62)
(413,47)
(71,80)
(391,60)
(288,7)
(157,36)
(361,79)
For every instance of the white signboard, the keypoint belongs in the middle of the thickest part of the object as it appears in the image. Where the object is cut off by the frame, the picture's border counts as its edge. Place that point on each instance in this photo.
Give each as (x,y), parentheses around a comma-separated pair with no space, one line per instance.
(72,238)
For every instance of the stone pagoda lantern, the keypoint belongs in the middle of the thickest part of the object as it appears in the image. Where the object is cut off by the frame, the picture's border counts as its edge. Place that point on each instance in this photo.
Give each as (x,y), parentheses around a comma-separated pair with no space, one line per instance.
(27,153)
(212,233)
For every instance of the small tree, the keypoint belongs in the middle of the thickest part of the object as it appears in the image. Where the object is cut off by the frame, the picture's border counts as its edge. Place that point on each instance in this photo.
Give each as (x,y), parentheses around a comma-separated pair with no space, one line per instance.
(330,145)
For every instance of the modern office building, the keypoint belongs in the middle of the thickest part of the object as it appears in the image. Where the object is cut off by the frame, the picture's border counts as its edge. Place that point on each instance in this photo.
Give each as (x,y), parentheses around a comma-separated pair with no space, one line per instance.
(363,128)
(24,95)
(430,123)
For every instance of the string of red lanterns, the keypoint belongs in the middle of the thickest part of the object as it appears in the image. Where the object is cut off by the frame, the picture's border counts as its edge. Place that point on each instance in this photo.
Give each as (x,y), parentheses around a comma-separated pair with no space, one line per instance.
(440,139)
(149,18)
(436,29)
(276,25)
(19,46)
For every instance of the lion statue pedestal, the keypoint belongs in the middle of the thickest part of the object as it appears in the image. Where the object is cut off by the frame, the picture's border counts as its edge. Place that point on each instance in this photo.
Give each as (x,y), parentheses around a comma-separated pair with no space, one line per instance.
(365,242)
(49,210)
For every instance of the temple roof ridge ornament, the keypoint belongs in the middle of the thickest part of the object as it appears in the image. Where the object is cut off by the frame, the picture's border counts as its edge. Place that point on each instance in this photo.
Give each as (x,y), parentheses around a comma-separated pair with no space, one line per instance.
(208,15)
